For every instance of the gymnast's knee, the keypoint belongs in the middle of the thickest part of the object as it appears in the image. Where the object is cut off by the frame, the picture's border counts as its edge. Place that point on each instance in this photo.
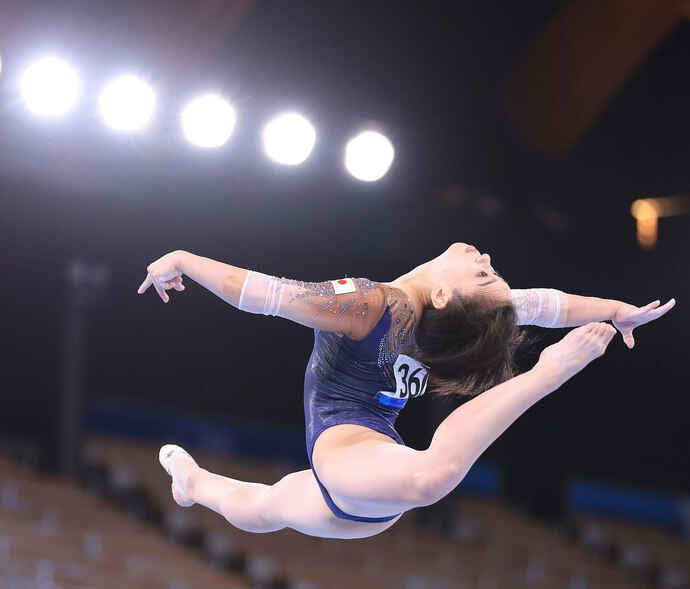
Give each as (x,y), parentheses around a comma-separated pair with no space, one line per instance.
(252,512)
(435,483)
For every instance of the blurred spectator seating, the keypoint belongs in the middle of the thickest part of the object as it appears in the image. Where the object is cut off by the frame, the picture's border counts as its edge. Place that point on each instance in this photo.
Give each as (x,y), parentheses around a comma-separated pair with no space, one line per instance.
(648,554)
(52,534)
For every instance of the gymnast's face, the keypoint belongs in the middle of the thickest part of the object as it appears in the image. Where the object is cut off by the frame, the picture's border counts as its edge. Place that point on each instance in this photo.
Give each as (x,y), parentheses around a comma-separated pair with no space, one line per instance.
(464,269)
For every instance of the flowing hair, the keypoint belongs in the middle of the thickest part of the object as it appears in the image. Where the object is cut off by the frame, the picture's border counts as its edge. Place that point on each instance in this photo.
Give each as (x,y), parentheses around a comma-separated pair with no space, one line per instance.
(469,345)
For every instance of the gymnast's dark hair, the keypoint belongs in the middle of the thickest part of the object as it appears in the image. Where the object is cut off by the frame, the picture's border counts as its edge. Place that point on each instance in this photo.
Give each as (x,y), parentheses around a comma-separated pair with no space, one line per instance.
(469,345)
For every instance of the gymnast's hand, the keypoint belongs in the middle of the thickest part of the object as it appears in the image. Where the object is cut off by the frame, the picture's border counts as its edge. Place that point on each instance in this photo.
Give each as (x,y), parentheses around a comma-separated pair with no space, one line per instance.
(164,274)
(628,317)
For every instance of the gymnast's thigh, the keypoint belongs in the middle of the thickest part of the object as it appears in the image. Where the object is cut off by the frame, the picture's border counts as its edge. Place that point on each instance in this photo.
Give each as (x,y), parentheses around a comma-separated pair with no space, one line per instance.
(368,473)
(296,502)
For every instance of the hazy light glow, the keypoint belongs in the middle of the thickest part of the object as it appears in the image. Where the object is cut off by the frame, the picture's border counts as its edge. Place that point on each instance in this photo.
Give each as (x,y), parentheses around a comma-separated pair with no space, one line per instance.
(49,87)
(127,103)
(646,213)
(368,156)
(208,121)
(289,139)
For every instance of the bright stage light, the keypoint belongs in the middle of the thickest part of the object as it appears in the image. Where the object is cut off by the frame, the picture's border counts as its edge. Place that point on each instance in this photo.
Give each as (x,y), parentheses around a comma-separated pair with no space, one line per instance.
(368,156)
(127,104)
(208,121)
(49,87)
(289,139)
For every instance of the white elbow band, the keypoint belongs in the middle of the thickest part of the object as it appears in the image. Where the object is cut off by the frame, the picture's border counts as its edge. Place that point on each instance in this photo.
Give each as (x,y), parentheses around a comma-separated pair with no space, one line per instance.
(545,307)
(261,293)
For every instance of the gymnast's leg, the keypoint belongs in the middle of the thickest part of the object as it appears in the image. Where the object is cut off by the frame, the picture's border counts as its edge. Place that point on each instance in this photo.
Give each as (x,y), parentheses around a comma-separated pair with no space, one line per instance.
(370,476)
(243,504)
(295,501)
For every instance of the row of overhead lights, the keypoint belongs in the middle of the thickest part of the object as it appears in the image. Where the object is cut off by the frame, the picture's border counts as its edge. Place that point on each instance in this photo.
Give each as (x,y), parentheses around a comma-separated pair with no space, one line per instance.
(50,87)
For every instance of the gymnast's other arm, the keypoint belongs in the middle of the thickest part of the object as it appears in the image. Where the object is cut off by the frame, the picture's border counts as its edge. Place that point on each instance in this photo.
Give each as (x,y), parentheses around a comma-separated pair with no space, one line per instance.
(354,311)
(554,308)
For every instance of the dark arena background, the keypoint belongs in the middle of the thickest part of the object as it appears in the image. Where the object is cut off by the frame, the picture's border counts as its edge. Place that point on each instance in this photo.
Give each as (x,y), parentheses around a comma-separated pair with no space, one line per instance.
(553,134)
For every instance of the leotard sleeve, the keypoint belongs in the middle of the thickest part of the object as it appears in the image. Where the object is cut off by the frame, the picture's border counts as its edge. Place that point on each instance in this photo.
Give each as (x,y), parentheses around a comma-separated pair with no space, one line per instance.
(351,306)
(545,307)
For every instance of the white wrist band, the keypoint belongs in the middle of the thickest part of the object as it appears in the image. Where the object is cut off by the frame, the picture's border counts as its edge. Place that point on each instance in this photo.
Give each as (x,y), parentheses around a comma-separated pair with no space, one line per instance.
(545,307)
(261,293)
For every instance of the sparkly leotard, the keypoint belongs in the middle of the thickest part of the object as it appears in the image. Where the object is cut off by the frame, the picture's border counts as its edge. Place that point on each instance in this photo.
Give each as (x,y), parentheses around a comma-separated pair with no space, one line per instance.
(354,382)
(361,370)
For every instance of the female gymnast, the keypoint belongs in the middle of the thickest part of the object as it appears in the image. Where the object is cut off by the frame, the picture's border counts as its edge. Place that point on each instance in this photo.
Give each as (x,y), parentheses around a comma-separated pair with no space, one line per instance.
(450,325)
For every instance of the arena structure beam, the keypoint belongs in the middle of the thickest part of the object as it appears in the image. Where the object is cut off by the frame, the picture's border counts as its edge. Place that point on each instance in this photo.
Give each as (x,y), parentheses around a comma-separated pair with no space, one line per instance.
(173,38)
(86,285)
(577,64)
(183,32)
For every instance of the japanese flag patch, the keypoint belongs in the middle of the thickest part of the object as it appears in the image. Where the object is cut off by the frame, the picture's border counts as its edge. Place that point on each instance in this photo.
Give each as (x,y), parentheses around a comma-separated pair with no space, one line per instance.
(343,285)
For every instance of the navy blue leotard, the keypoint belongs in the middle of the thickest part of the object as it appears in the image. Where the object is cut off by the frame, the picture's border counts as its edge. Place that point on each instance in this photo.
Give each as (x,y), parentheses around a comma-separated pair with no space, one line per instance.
(364,382)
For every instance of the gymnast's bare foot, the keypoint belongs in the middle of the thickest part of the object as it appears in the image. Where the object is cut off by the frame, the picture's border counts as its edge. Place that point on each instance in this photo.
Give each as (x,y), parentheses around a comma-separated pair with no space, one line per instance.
(181,467)
(579,347)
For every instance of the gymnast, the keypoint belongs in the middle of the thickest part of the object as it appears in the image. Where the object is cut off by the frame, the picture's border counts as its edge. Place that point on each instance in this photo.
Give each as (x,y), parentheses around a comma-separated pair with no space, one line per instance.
(450,325)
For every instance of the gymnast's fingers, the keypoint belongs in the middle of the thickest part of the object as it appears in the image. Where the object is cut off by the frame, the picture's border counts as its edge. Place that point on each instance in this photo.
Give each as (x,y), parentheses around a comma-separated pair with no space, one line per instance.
(144,285)
(160,291)
(175,283)
(663,310)
(651,305)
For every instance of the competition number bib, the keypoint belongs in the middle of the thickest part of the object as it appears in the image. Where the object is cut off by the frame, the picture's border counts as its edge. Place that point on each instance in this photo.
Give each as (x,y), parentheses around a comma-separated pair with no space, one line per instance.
(411,377)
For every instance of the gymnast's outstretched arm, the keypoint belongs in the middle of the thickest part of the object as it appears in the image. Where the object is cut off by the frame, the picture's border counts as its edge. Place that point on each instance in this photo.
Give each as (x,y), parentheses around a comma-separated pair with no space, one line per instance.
(547,307)
(351,306)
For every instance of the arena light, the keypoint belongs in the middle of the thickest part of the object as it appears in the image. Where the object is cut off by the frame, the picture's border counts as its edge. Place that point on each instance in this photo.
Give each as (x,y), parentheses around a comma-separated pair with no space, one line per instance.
(49,87)
(647,212)
(647,216)
(368,156)
(208,121)
(289,139)
(127,104)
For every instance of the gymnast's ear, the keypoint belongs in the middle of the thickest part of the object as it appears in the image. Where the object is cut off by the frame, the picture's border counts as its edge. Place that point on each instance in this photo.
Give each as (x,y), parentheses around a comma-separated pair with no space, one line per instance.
(440,295)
